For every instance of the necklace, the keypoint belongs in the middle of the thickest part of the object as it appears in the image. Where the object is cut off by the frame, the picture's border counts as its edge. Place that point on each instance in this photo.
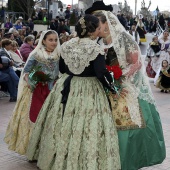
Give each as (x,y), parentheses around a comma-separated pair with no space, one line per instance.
(49,51)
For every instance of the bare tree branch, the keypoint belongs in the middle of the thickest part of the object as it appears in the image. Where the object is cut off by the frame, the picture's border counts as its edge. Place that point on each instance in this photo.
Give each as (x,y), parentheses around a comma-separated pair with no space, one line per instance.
(26,6)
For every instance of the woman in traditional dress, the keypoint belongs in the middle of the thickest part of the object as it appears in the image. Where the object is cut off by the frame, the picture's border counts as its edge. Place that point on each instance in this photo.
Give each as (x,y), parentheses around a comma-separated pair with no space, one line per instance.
(75,129)
(141,140)
(140,28)
(32,94)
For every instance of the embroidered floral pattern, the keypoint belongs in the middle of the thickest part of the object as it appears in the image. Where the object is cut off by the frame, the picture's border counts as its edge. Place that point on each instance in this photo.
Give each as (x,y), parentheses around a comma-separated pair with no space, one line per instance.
(86,138)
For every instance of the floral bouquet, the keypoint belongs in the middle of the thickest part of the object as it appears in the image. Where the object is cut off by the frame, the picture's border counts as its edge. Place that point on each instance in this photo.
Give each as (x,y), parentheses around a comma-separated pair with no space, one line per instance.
(116,72)
(37,76)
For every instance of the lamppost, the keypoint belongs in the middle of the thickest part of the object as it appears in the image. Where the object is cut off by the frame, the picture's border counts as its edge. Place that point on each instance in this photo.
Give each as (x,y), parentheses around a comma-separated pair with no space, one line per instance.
(48,14)
(135,6)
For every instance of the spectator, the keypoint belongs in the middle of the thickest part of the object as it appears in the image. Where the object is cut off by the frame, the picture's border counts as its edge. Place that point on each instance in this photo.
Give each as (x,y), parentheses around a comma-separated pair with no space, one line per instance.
(17,58)
(7,74)
(63,28)
(135,34)
(61,14)
(8,24)
(53,25)
(122,20)
(50,15)
(17,38)
(27,47)
(15,54)
(162,22)
(67,13)
(9,36)
(18,25)
(30,24)
(21,21)
(40,15)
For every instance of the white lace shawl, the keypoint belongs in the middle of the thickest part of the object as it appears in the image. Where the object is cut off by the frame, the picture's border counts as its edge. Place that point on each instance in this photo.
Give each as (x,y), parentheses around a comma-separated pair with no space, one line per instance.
(78,52)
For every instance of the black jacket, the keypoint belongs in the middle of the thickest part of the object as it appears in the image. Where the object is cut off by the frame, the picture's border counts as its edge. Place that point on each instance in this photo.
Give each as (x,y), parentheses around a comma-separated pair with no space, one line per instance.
(5,59)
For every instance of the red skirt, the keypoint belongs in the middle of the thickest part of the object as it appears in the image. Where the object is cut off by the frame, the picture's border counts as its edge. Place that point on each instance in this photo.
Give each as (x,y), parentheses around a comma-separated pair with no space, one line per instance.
(39,95)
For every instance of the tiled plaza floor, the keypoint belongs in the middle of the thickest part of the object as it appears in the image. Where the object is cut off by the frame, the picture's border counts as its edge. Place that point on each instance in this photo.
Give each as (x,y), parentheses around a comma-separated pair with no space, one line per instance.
(12,161)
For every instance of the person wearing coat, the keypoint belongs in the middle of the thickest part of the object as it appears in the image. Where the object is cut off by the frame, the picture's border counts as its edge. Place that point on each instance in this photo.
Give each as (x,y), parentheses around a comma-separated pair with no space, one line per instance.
(27,47)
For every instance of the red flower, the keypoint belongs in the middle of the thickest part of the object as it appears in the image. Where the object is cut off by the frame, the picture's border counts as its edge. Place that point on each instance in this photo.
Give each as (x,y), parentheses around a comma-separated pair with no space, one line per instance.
(117,71)
(39,73)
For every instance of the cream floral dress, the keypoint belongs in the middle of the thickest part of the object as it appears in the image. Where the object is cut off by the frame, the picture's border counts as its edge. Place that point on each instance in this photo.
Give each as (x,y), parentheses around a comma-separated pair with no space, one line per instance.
(85,137)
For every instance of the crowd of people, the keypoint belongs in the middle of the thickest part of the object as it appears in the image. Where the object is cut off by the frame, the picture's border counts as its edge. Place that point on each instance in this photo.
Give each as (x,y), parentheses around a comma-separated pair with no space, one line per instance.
(158,55)
(69,112)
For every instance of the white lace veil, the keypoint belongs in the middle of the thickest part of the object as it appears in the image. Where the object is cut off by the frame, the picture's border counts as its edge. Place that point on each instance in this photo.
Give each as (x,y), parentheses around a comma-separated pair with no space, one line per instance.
(129,57)
(40,48)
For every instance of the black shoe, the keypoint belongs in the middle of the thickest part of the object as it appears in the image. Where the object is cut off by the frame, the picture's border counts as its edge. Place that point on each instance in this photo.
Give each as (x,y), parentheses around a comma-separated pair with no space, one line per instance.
(166,91)
(13,99)
(162,91)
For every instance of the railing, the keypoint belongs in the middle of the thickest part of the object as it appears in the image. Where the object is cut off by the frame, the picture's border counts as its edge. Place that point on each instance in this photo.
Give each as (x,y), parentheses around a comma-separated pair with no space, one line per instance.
(159,30)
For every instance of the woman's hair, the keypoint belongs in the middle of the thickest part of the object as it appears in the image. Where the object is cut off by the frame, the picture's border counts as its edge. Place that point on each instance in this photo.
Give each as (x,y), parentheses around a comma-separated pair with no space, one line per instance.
(17,22)
(165,32)
(14,43)
(154,38)
(85,25)
(163,61)
(101,16)
(6,42)
(35,33)
(48,33)
(28,38)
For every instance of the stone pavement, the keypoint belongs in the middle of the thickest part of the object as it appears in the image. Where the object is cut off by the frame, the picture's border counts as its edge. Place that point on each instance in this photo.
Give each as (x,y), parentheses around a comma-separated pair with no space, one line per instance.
(12,161)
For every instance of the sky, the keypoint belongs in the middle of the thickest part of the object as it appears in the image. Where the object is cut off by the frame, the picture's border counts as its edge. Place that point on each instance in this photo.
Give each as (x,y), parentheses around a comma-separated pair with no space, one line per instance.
(162,4)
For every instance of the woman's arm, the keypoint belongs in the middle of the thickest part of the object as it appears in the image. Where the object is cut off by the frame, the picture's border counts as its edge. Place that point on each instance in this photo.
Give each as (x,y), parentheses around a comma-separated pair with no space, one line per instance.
(62,65)
(30,63)
(102,73)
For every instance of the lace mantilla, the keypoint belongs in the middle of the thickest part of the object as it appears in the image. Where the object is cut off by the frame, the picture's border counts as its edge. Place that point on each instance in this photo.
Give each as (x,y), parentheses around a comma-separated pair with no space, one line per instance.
(129,57)
(77,53)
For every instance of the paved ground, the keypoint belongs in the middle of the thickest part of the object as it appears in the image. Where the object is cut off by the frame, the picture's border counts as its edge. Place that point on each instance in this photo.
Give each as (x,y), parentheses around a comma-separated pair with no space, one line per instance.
(12,161)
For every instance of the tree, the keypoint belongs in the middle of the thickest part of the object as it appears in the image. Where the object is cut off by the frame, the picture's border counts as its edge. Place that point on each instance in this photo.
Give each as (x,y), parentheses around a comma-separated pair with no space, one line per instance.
(26,6)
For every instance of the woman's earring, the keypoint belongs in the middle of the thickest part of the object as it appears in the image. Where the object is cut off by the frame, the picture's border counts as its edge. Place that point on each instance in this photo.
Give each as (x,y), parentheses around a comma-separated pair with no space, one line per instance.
(92,37)
(106,30)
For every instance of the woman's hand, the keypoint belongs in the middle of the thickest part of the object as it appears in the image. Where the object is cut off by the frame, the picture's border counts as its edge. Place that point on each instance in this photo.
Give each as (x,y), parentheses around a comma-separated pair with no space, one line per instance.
(123,93)
(26,79)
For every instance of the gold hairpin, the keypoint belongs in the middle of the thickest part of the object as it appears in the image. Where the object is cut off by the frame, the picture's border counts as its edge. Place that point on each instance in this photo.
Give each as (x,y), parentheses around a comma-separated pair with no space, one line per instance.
(83,26)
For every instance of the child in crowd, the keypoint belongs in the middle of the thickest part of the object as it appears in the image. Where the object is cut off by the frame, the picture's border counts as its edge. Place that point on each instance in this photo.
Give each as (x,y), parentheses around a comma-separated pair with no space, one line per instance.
(163,81)
(153,53)
(135,34)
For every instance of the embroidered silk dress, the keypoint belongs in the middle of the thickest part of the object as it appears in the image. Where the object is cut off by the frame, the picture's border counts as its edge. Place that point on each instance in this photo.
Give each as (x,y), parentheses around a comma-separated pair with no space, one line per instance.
(75,128)
(141,141)
(30,102)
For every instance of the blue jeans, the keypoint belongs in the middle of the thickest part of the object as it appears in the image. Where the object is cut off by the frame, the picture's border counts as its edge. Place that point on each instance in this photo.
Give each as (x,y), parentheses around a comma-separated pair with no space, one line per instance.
(9,76)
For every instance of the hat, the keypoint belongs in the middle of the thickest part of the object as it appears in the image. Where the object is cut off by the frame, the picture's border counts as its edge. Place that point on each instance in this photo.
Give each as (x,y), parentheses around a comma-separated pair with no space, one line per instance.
(20,17)
(98,5)
(140,16)
(7,35)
